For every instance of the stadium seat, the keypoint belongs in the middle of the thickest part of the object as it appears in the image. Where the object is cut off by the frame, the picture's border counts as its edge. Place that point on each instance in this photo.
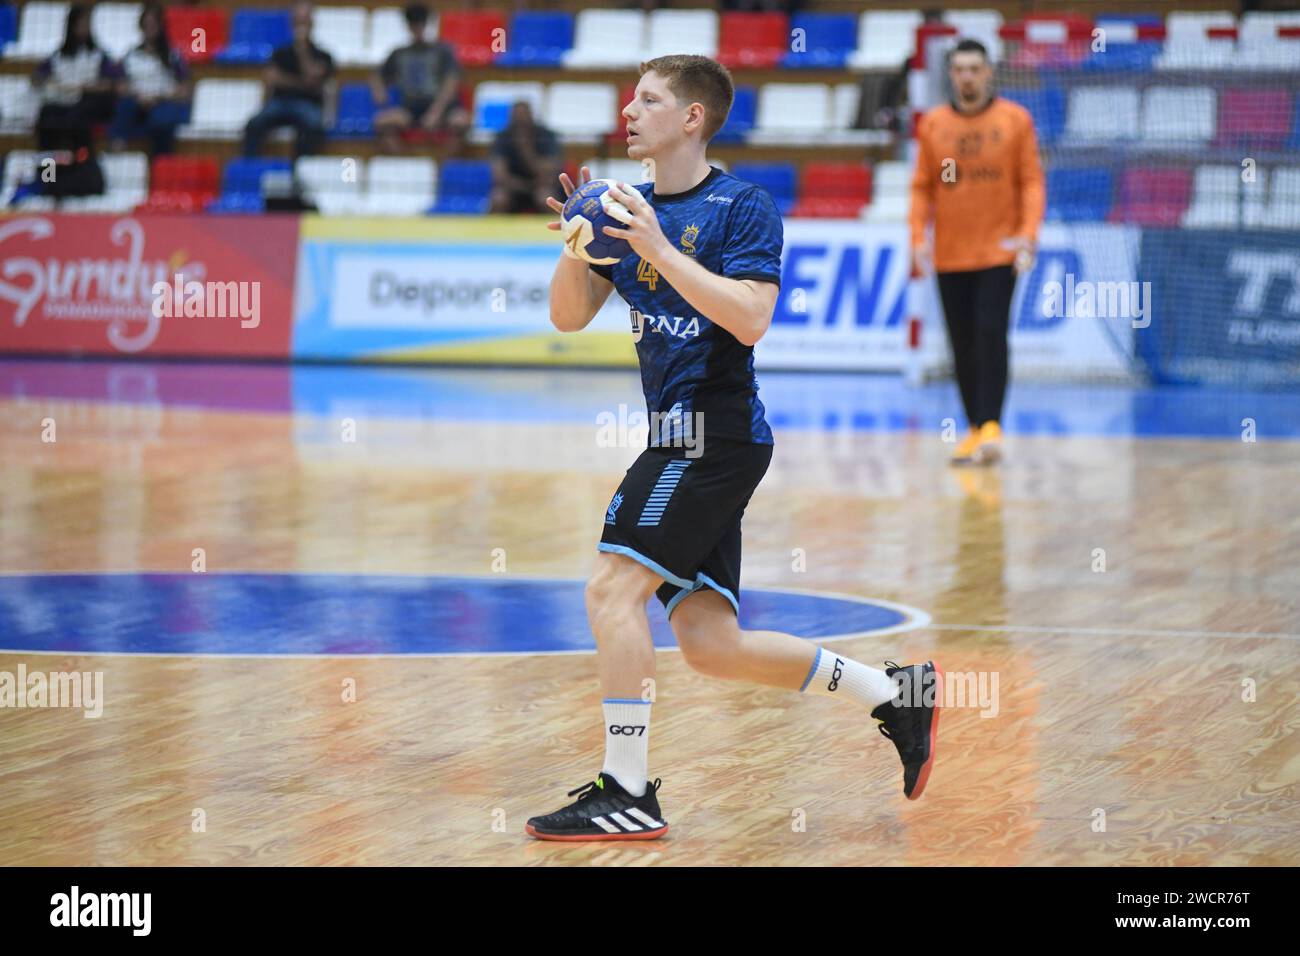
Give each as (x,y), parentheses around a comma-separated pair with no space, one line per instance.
(182,184)
(388,31)
(1152,196)
(19,105)
(1046,104)
(607,39)
(623,170)
(1188,45)
(580,111)
(341,32)
(255,35)
(464,187)
(199,33)
(1283,209)
(1182,115)
(8,25)
(833,190)
(473,34)
(41,27)
(827,41)
(400,185)
(1259,47)
(891,177)
(1137,57)
(241,184)
(19,168)
(1254,118)
(777,178)
(1079,194)
(116,27)
(755,40)
(222,108)
(886,39)
(493,100)
(355,116)
(1216,198)
(681,31)
(741,118)
(792,112)
(1102,114)
(537,38)
(333,184)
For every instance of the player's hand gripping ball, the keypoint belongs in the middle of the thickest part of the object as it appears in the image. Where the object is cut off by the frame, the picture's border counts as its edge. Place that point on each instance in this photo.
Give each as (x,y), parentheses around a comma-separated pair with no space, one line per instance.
(583,222)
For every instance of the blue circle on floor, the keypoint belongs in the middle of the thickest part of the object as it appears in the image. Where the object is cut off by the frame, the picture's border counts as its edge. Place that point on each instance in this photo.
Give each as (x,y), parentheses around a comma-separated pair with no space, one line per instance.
(361,614)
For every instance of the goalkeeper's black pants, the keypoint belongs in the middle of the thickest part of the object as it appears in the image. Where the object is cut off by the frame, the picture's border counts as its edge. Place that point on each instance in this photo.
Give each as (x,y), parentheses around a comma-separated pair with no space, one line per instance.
(977,308)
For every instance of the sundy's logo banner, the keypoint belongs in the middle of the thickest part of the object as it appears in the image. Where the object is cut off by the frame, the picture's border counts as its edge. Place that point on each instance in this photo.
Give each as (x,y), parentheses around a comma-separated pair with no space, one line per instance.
(90,284)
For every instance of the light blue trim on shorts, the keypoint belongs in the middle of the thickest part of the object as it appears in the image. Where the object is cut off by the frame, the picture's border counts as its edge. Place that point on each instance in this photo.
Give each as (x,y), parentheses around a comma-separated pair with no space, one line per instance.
(624,700)
(812,670)
(658,569)
(702,581)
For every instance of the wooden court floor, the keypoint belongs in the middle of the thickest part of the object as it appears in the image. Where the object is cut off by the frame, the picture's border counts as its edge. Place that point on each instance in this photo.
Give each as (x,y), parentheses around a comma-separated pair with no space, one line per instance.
(1146,713)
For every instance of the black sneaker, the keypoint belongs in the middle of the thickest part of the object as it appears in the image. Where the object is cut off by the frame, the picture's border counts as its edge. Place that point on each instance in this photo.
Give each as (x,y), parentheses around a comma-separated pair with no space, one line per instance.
(603,811)
(911,722)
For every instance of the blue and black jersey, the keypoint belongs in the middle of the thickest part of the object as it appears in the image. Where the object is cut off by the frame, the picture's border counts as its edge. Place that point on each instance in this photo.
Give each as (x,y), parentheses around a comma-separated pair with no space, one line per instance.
(690,367)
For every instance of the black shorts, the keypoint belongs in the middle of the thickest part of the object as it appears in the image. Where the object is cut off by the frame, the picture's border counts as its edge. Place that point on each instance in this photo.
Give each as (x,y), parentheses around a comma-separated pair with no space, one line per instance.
(680,516)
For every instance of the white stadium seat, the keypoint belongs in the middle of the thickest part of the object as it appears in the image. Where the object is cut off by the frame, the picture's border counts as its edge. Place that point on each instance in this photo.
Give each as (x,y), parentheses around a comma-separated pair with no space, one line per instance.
(578,111)
(885,39)
(1178,114)
(18,105)
(891,178)
(1187,45)
(607,38)
(222,108)
(623,170)
(1283,209)
(126,185)
(792,112)
(40,31)
(887,209)
(982,25)
(333,184)
(1260,48)
(1102,114)
(116,27)
(341,32)
(400,185)
(20,167)
(681,31)
(1216,198)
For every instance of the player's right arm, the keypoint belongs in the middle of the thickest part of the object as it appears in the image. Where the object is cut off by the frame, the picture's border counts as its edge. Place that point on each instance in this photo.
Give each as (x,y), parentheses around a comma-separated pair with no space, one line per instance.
(921,210)
(577,293)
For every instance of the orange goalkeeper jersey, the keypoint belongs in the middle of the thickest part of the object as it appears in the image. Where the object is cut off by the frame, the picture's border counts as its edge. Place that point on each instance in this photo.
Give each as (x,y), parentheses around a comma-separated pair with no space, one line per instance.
(979,180)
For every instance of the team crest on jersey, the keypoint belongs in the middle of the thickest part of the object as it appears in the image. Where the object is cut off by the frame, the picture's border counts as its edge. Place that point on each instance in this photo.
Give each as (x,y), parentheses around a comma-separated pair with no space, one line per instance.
(612,510)
(689,235)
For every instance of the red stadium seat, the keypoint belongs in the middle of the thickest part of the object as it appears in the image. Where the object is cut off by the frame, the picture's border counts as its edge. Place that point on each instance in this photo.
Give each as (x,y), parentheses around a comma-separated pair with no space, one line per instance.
(182,184)
(619,136)
(1153,196)
(833,190)
(1253,117)
(753,39)
(471,34)
(181,22)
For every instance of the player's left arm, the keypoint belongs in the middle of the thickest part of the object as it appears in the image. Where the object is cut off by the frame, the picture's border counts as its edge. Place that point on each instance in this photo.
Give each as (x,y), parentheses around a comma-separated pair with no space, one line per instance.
(1033,196)
(741,306)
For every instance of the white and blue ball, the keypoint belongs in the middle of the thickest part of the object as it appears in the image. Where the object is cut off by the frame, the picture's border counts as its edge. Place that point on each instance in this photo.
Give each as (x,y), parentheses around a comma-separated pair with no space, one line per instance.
(583,222)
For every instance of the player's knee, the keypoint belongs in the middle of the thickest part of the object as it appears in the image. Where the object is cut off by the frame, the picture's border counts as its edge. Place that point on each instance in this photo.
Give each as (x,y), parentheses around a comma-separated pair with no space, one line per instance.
(705,645)
(614,588)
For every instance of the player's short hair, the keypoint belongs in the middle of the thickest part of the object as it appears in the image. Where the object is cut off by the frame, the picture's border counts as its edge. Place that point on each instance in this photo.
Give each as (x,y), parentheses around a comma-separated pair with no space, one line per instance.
(417,14)
(697,79)
(970,46)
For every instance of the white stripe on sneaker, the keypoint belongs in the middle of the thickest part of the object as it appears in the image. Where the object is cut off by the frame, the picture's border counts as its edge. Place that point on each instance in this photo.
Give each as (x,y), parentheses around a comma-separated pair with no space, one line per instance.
(605,825)
(645,818)
(624,822)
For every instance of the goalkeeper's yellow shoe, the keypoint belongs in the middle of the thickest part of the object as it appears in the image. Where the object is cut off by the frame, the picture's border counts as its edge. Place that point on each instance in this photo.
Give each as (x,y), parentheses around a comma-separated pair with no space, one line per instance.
(965,453)
(990,443)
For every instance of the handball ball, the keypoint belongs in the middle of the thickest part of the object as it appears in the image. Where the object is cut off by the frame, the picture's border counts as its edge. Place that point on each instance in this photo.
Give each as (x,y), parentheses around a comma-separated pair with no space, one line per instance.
(583,220)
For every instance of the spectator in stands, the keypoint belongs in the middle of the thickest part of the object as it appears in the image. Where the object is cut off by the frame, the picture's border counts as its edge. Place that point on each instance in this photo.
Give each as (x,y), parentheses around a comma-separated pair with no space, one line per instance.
(298,76)
(420,83)
(76,87)
(979,182)
(154,92)
(526,162)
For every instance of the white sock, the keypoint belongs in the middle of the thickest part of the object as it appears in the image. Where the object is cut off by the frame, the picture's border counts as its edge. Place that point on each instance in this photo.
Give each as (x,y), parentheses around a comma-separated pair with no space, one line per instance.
(835,675)
(627,743)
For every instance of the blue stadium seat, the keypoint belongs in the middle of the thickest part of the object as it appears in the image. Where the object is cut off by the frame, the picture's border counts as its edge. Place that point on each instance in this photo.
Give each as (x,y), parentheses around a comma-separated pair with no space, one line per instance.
(537,39)
(1079,194)
(741,118)
(241,184)
(1046,105)
(8,24)
(828,39)
(779,179)
(1136,57)
(355,117)
(255,34)
(464,187)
